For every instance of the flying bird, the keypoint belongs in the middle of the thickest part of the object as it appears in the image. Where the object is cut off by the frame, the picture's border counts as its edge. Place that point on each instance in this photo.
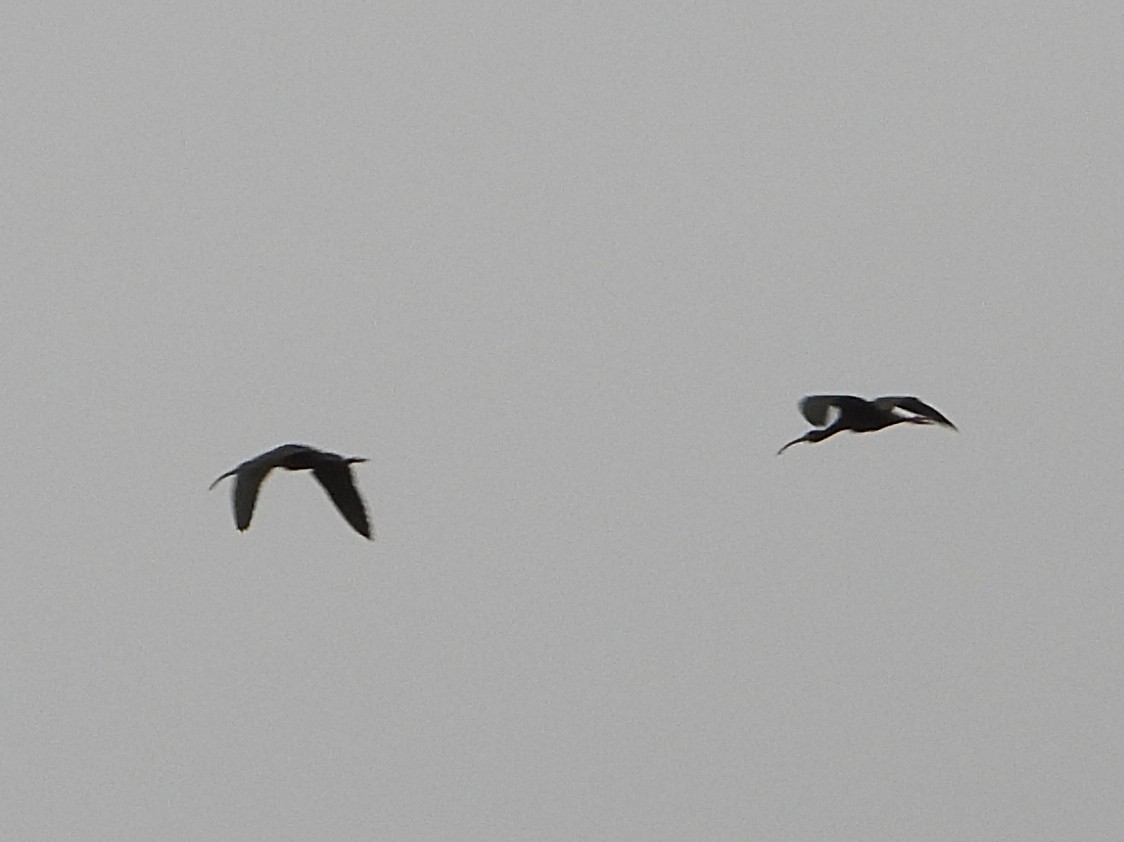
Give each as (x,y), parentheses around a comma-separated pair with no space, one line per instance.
(862,416)
(330,469)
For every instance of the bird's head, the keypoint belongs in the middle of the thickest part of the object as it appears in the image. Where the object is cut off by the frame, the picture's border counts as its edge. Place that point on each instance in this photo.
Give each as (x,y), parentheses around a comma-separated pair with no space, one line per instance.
(810,436)
(817,434)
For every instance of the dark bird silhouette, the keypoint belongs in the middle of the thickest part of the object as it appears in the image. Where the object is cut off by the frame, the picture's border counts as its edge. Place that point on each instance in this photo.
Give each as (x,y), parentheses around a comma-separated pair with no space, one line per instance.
(330,469)
(862,416)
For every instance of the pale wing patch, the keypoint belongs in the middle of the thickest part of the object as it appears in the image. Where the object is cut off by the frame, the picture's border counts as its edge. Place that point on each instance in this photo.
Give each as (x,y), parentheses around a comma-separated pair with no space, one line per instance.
(914,406)
(818,409)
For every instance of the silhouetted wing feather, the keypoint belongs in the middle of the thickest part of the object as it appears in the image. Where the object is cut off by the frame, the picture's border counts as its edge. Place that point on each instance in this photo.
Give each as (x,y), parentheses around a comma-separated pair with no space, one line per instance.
(338,482)
(246,486)
(911,404)
(815,408)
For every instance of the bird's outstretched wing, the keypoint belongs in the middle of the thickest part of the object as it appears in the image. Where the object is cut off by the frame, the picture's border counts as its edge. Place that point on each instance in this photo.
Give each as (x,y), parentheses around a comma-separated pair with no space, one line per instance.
(338,482)
(246,485)
(816,408)
(911,404)
(248,478)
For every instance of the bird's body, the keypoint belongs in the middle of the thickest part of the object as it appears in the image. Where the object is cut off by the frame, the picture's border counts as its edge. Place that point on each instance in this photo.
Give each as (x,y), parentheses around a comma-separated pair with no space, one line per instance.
(862,416)
(331,470)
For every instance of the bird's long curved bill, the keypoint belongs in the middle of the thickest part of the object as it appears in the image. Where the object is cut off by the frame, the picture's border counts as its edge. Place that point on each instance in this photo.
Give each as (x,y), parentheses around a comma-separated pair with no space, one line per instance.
(220,479)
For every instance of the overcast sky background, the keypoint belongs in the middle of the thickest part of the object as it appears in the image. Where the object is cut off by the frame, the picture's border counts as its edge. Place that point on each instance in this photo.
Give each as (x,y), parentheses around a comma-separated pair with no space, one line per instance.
(562,271)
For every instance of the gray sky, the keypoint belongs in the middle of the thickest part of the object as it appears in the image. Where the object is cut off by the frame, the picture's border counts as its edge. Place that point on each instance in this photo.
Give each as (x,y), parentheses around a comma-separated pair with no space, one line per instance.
(562,272)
